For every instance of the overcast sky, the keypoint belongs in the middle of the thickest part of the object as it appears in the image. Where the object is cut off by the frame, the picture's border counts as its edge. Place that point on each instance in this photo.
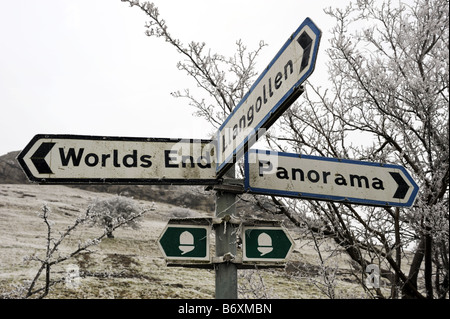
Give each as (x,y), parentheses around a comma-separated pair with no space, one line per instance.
(86,67)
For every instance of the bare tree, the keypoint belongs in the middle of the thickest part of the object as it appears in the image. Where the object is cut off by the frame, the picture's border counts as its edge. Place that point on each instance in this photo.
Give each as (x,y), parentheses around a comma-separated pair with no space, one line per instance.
(389,84)
(252,285)
(53,255)
(225,80)
(388,69)
(109,212)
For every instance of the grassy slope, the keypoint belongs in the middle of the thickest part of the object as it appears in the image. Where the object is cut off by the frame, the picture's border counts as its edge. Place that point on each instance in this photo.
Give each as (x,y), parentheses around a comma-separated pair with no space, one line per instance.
(131,265)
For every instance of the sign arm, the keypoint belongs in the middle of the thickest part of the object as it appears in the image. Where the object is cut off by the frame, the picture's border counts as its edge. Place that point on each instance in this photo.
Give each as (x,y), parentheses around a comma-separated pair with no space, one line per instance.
(277,87)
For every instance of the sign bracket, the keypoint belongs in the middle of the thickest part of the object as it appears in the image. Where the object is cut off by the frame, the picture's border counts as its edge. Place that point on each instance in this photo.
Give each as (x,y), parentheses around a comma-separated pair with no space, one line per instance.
(230,185)
(237,262)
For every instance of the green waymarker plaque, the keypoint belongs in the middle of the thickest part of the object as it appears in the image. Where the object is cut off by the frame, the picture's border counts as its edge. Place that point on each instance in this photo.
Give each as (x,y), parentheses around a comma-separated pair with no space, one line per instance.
(185,242)
(266,244)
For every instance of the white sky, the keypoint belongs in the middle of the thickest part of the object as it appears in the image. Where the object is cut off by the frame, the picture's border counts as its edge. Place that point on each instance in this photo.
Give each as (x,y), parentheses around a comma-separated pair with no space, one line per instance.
(86,67)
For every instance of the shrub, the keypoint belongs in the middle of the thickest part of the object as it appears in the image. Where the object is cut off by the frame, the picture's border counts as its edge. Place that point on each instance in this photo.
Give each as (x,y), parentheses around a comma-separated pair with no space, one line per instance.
(109,212)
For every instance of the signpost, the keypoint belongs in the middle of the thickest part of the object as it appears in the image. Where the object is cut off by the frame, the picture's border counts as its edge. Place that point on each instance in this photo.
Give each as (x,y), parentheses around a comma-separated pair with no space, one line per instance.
(65,159)
(72,159)
(79,159)
(187,242)
(272,93)
(332,179)
(265,244)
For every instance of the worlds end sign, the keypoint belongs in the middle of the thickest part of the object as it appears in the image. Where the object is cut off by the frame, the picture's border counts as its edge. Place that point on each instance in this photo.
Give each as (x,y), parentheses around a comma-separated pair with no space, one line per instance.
(69,159)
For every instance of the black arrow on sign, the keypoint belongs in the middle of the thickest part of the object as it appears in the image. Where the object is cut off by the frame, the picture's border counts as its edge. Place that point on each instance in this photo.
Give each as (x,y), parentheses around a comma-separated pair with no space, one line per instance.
(38,158)
(403,187)
(305,42)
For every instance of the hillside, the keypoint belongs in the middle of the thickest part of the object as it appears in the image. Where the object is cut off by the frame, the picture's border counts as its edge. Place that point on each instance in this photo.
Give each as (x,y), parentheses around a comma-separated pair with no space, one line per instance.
(11,173)
(131,265)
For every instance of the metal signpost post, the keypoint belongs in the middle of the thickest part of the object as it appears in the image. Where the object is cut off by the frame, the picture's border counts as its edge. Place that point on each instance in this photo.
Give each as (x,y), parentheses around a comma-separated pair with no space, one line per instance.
(226,272)
(332,179)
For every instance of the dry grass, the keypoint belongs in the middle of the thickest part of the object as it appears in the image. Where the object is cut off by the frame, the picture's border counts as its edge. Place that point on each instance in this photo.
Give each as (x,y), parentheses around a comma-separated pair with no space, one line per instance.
(131,265)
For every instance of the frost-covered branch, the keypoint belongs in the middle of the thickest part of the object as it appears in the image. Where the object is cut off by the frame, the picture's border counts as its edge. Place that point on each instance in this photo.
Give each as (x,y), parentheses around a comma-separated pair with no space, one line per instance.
(386,102)
(52,256)
(225,80)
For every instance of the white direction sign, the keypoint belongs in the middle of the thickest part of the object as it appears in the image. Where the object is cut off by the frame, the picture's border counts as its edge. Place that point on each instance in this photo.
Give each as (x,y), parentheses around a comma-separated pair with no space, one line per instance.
(59,159)
(272,93)
(332,179)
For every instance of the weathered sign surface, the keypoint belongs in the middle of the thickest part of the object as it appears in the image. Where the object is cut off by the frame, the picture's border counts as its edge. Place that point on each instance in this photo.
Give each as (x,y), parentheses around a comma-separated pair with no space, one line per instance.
(265,244)
(185,242)
(271,94)
(59,159)
(332,179)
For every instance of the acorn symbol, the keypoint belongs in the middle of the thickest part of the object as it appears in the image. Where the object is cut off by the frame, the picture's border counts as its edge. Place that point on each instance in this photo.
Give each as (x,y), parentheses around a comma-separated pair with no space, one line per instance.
(264,244)
(186,242)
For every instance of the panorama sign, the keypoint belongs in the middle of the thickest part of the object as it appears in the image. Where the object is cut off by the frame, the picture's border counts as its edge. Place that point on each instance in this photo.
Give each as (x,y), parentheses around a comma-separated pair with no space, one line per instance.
(331,179)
